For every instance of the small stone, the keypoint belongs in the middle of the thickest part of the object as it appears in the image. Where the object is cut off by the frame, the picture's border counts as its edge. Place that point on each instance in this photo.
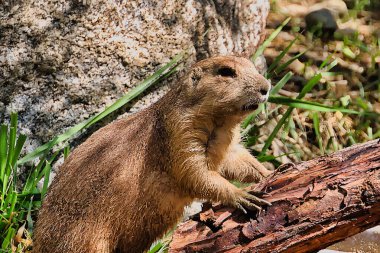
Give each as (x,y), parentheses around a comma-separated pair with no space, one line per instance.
(322,20)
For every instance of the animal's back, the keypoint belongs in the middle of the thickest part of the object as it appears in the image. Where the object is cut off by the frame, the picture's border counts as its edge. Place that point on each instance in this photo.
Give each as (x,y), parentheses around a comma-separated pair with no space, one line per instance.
(102,188)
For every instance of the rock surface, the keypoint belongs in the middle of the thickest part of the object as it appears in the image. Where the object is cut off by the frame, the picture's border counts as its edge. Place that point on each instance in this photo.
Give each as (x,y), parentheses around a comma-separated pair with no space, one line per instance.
(62,61)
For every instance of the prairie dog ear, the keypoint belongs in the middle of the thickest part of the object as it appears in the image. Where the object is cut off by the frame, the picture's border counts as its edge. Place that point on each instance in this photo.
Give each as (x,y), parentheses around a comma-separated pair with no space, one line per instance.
(195,76)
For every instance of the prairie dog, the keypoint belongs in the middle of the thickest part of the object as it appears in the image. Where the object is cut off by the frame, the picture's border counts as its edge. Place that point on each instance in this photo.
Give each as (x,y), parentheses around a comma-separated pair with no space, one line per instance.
(127,184)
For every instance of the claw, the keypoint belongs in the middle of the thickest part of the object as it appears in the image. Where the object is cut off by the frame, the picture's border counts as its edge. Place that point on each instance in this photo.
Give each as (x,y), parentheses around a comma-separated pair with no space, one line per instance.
(253,207)
(249,201)
(239,206)
(259,193)
(257,200)
(258,213)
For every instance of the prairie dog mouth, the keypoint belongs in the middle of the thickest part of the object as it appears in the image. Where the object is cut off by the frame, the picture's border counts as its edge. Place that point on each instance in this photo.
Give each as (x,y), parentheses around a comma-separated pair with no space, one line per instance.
(250,106)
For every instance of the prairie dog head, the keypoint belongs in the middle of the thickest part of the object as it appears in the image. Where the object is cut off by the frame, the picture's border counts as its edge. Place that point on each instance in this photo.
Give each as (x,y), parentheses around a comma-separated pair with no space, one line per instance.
(225,85)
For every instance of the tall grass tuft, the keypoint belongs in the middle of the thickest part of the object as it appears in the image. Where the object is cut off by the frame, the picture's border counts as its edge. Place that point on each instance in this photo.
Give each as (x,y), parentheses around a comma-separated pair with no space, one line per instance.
(282,112)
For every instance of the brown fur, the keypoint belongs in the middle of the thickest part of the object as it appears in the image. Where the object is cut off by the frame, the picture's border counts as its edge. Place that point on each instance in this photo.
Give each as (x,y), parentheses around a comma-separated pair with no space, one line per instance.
(128,183)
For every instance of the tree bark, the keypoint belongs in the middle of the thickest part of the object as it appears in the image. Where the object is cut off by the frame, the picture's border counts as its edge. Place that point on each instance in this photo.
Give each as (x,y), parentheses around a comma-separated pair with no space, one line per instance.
(314,204)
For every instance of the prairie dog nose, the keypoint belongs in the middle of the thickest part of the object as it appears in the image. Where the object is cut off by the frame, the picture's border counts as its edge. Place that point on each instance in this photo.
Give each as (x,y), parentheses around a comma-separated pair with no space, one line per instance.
(264,86)
(264,91)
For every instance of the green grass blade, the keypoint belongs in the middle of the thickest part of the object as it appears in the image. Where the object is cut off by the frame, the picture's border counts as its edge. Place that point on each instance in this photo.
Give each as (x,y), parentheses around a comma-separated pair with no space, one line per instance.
(19,144)
(267,42)
(7,201)
(29,218)
(309,85)
(47,170)
(324,63)
(279,58)
(308,105)
(370,133)
(31,181)
(331,65)
(13,159)
(281,83)
(66,152)
(252,116)
(271,137)
(8,238)
(348,52)
(280,68)
(13,202)
(155,247)
(50,161)
(268,158)
(3,149)
(12,137)
(118,104)
(5,183)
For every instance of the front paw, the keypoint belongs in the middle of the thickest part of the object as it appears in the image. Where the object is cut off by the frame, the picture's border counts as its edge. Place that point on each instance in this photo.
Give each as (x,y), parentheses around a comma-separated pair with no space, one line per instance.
(256,174)
(264,172)
(248,200)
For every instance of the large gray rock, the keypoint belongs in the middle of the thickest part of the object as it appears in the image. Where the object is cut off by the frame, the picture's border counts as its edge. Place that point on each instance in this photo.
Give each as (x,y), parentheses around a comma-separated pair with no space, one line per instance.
(62,61)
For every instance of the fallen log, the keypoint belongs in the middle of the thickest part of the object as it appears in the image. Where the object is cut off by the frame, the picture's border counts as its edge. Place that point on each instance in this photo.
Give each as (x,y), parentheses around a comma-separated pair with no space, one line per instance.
(314,204)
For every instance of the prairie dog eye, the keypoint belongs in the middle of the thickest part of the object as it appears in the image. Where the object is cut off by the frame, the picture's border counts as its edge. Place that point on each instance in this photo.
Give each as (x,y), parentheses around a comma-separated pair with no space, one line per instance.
(226,72)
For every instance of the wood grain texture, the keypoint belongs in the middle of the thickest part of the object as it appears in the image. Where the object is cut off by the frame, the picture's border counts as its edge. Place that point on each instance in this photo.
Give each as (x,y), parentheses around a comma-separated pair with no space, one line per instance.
(314,204)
